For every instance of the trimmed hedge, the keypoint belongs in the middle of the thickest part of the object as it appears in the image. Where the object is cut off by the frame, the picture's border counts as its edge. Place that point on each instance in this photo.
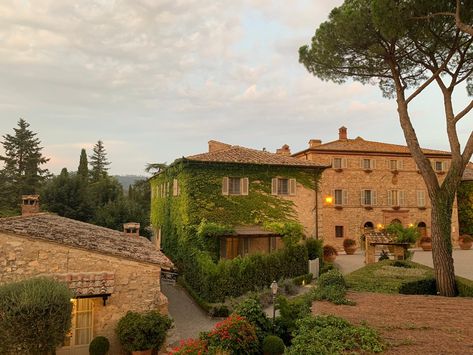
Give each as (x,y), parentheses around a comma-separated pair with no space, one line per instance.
(429,287)
(213,282)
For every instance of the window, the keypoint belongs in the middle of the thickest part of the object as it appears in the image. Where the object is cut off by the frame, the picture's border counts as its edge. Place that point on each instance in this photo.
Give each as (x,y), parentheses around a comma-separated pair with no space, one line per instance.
(175,188)
(339,163)
(283,186)
(421,198)
(338,231)
(340,197)
(235,186)
(368,197)
(396,198)
(440,166)
(367,164)
(272,244)
(395,165)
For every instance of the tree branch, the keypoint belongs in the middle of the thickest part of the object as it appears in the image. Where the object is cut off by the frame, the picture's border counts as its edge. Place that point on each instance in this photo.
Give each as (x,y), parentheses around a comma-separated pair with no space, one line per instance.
(460,115)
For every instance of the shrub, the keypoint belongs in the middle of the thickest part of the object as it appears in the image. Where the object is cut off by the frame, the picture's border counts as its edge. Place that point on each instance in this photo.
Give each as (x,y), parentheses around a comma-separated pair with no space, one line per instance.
(288,287)
(273,345)
(348,242)
(142,331)
(402,263)
(403,234)
(99,346)
(307,279)
(327,267)
(190,347)
(314,248)
(465,287)
(289,312)
(291,232)
(35,315)
(329,250)
(219,310)
(383,256)
(329,335)
(419,287)
(332,287)
(234,334)
(252,310)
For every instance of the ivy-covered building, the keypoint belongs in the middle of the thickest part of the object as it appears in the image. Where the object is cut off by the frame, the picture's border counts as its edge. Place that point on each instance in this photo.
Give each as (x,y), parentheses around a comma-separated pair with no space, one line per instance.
(230,200)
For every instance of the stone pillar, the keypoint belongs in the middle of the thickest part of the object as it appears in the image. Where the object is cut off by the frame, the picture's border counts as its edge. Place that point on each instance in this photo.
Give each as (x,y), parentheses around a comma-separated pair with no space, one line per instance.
(29,205)
(132,229)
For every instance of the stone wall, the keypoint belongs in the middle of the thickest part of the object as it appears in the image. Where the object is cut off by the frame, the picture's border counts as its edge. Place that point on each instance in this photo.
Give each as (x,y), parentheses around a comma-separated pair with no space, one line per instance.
(136,285)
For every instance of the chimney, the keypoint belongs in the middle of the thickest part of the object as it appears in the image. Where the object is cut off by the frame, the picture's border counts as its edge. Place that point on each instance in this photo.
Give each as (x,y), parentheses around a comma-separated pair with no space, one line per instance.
(342,133)
(29,205)
(132,229)
(215,146)
(314,143)
(284,150)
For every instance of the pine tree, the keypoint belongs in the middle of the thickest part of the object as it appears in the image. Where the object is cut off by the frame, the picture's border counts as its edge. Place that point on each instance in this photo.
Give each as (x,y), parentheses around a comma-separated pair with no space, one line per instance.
(22,163)
(83,170)
(98,162)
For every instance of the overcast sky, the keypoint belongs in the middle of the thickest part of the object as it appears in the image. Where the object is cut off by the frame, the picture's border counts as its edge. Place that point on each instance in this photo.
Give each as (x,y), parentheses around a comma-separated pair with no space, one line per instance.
(156,79)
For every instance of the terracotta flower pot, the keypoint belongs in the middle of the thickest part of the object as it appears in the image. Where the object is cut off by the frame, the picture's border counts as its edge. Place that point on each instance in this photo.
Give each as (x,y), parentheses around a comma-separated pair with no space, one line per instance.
(350,250)
(426,246)
(464,245)
(330,258)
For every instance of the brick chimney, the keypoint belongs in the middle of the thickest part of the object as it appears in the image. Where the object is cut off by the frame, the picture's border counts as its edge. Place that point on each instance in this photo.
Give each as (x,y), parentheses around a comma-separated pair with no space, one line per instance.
(314,143)
(29,205)
(132,229)
(284,150)
(215,146)
(342,133)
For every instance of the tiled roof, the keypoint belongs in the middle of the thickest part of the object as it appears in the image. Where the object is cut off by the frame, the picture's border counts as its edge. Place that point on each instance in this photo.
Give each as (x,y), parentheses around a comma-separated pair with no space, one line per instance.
(252,231)
(86,236)
(88,283)
(237,154)
(360,145)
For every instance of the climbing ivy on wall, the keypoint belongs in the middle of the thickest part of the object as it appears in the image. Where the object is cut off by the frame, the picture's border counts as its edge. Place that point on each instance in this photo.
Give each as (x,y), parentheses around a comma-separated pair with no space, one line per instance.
(465,207)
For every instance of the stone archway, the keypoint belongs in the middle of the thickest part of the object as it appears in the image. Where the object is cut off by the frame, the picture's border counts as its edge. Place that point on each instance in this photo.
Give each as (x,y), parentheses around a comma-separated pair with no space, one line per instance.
(422,227)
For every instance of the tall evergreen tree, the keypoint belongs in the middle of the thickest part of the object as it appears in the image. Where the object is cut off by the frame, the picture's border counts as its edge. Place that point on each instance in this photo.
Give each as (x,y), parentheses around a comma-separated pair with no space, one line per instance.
(22,161)
(98,162)
(83,170)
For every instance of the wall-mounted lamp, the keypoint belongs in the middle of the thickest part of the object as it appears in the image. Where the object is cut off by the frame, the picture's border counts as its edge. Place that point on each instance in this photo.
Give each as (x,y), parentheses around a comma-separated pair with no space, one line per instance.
(328,200)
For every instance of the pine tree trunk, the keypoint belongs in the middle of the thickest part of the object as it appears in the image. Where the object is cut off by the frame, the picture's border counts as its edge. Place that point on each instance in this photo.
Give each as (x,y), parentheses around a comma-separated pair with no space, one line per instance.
(442,245)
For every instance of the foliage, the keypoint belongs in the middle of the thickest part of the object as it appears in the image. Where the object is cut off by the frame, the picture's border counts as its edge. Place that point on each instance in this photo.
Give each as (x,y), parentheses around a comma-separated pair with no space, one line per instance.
(142,331)
(306,279)
(190,347)
(403,234)
(402,263)
(273,345)
(22,173)
(329,335)
(291,232)
(384,255)
(290,310)
(348,242)
(465,287)
(327,267)
(35,315)
(252,310)
(465,207)
(329,250)
(215,281)
(83,169)
(99,346)
(98,162)
(314,248)
(419,287)
(331,287)
(234,334)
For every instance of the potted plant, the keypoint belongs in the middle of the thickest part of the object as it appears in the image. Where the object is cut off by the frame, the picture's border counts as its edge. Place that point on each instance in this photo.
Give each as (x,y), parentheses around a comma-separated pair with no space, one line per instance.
(99,346)
(349,245)
(426,243)
(465,241)
(330,253)
(141,333)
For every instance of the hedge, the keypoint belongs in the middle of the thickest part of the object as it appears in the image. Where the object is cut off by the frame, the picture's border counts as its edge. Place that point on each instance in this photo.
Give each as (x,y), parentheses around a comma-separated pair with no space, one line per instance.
(429,287)
(213,282)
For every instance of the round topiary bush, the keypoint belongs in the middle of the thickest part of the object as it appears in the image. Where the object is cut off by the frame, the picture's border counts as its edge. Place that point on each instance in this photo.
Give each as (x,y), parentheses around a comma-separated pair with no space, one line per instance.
(35,316)
(273,345)
(99,346)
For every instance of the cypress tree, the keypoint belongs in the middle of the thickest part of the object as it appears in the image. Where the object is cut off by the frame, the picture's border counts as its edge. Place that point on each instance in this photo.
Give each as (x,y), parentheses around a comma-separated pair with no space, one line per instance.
(83,169)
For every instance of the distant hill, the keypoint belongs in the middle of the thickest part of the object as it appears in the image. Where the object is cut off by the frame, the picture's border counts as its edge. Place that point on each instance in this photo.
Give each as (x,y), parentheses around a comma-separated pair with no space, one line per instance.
(127,180)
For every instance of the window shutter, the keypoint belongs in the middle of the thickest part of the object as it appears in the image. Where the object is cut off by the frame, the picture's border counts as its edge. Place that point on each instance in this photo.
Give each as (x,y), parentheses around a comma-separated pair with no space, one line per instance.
(244,186)
(374,201)
(390,198)
(372,163)
(292,187)
(344,197)
(361,163)
(400,165)
(225,186)
(444,166)
(362,197)
(402,198)
(344,163)
(174,187)
(274,186)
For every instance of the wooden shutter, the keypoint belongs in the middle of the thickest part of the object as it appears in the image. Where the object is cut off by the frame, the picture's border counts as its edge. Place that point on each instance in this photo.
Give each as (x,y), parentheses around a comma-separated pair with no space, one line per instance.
(361,163)
(374,201)
(362,198)
(390,197)
(421,198)
(225,186)
(444,166)
(344,163)
(400,165)
(174,187)
(402,198)
(372,163)
(292,187)
(344,197)
(274,186)
(244,186)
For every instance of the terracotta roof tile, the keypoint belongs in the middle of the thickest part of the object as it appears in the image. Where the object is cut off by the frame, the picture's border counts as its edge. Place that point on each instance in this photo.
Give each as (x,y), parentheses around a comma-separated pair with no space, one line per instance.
(237,154)
(360,145)
(82,235)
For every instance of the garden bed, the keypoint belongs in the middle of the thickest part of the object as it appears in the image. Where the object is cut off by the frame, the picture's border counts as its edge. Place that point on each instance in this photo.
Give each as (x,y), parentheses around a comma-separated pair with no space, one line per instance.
(411,324)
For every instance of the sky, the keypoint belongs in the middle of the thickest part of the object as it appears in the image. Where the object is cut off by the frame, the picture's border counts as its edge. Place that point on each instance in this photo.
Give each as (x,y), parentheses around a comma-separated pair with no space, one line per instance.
(155,80)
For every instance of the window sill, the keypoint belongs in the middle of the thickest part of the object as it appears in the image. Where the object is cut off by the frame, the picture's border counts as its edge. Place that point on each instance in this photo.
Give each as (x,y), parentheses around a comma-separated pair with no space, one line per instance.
(368,170)
(422,208)
(368,208)
(338,170)
(395,172)
(338,207)
(396,207)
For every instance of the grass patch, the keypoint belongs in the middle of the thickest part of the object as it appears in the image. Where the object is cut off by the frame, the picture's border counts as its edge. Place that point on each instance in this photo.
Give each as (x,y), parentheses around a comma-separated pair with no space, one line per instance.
(384,277)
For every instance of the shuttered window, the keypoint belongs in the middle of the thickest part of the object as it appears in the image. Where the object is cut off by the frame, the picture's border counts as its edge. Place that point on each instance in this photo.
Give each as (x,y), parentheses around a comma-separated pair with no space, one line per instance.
(283,186)
(340,197)
(338,231)
(367,164)
(368,197)
(396,198)
(339,163)
(235,186)
(421,198)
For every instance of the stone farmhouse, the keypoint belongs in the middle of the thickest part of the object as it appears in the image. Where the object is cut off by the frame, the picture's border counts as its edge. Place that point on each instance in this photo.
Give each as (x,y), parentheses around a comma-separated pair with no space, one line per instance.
(108,271)
(370,185)
(237,189)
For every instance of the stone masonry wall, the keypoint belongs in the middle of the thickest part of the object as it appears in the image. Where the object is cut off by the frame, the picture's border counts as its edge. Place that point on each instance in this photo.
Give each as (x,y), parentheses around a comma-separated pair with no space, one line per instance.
(136,286)
(304,205)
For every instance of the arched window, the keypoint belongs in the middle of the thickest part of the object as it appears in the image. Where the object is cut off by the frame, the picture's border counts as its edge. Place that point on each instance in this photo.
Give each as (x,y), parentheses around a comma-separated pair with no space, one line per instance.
(396,221)
(422,227)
